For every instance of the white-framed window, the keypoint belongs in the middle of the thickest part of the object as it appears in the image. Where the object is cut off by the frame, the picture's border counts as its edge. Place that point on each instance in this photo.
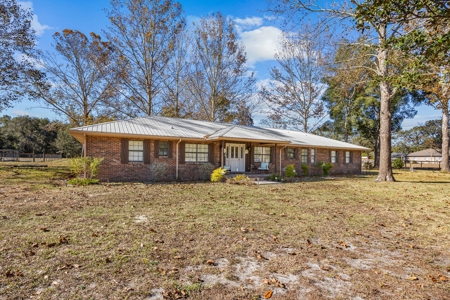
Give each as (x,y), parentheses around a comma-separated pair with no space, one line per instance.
(290,153)
(135,151)
(348,157)
(262,154)
(304,156)
(163,149)
(313,156)
(333,156)
(196,153)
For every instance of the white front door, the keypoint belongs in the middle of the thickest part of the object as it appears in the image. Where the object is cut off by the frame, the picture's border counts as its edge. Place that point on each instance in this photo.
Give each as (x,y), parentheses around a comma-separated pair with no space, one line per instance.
(235,157)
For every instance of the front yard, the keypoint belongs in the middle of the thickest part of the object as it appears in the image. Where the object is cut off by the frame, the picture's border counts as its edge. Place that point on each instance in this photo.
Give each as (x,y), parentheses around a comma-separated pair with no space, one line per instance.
(340,238)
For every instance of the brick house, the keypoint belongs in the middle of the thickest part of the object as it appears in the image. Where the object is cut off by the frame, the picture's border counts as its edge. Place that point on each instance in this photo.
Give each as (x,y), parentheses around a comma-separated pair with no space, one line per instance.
(130,147)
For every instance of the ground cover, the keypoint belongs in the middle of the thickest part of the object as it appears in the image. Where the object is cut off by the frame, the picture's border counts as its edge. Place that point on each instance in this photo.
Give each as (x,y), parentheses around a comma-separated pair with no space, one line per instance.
(340,238)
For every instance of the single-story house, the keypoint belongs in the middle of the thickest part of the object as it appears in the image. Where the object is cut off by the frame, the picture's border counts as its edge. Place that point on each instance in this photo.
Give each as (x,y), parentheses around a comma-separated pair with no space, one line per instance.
(130,147)
(427,155)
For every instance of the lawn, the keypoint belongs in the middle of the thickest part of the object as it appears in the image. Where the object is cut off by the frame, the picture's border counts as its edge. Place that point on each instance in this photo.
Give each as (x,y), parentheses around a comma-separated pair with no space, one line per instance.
(340,238)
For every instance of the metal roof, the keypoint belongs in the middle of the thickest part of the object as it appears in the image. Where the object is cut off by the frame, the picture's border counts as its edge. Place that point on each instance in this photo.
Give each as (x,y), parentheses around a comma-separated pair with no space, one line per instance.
(426,153)
(164,127)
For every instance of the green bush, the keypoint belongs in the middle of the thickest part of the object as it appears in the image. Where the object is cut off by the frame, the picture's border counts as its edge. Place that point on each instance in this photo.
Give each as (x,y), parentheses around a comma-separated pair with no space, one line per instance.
(274,177)
(217,174)
(86,167)
(204,171)
(82,181)
(305,169)
(367,165)
(325,166)
(397,163)
(290,172)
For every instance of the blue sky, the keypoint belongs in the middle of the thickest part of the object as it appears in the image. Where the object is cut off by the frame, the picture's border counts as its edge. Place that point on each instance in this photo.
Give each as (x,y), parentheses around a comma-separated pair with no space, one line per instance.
(257,30)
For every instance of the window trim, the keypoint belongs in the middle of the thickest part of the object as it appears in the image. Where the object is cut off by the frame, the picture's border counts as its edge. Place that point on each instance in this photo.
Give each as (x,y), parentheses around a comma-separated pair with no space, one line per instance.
(288,154)
(313,156)
(350,157)
(196,153)
(130,151)
(159,149)
(262,154)
(304,158)
(335,156)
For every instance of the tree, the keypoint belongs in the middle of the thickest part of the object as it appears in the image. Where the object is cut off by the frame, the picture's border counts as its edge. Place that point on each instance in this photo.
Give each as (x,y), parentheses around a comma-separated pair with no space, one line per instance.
(144,34)
(66,144)
(381,26)
(79,76)
(296,85)
(17,39)
(219,83)
(425,136)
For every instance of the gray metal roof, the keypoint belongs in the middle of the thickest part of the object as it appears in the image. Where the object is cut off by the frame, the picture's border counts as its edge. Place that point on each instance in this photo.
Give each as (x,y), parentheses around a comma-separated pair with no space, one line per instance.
(165,127)
(426,153)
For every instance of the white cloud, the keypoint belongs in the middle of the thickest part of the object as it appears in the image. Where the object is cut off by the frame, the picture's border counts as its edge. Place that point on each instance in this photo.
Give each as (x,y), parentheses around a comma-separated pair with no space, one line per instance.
(38,27)
(261,43)
(248,22)
(19,112)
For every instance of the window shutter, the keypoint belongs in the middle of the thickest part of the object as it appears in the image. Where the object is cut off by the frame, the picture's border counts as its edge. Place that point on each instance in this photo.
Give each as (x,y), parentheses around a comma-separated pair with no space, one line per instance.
(124,151)
(296,153)
(286,153)
(337,156)
(170,149)
(156,150)
(182,154)
(146,152)
(272,154)
(211,153)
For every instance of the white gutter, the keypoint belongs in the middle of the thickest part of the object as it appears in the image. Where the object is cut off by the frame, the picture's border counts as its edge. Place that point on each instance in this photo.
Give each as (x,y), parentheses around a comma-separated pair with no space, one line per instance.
(176,165)
(84,145)
(280,160)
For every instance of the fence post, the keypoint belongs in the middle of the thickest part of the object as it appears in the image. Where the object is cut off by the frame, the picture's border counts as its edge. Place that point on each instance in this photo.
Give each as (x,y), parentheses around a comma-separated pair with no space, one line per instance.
(43,156)
(34,159)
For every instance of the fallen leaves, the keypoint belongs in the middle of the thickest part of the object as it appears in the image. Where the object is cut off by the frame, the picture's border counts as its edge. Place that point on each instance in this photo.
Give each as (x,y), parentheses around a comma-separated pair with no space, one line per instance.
(210,262)
(268,294)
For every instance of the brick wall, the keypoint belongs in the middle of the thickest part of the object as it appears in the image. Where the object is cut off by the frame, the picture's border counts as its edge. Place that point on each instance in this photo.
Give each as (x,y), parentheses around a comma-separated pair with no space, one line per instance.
(113,170)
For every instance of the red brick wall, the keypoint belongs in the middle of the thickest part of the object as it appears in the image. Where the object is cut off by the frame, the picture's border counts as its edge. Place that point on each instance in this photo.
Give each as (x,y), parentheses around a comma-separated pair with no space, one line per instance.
(113,170)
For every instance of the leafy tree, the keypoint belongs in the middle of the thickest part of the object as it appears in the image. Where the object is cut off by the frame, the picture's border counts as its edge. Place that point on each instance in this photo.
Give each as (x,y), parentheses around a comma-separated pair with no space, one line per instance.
(17,38)
(79,76)
(381,26)
(219,83)
(66,144)
(144,33)
(425,136)
(296,83)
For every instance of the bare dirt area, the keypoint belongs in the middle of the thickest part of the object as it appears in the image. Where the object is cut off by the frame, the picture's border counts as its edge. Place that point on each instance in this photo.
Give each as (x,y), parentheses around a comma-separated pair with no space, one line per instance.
(340,238)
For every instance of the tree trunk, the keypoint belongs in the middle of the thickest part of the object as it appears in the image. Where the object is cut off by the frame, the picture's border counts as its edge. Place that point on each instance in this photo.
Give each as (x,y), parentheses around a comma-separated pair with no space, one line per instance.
(385,170)
(376,153)
(445,167)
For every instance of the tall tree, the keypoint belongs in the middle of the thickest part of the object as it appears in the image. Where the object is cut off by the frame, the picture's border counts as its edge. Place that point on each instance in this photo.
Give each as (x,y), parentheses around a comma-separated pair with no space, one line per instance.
(144,33)
(381,26)
(219,82)
(425,136)
(78,76)
(296,84)
(17,45)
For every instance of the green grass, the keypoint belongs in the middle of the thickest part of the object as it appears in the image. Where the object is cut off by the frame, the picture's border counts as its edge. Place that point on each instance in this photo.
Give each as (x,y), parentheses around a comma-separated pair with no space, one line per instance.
(124,240)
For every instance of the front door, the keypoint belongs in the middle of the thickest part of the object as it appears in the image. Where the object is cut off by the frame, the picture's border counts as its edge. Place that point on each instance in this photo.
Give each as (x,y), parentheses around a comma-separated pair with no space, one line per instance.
(235,157)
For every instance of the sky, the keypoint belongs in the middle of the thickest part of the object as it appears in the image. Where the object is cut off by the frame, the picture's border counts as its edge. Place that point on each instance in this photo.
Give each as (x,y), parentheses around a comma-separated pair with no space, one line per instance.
(258,30)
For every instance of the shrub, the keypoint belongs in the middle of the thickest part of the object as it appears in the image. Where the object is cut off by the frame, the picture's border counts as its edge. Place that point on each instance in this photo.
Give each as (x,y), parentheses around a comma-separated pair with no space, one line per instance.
(159,170)
(305,169)
(290,172)
(274,177)
(205,170)
(326,167)
(82,181)
(397,163)
(367,165)
(87,167)
(217,174)
(239,179)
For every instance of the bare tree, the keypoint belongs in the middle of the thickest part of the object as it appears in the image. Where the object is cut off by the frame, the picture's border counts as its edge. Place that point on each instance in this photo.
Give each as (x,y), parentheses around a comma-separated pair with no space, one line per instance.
(296,84)
(219,81)
(144,33)
(77,84)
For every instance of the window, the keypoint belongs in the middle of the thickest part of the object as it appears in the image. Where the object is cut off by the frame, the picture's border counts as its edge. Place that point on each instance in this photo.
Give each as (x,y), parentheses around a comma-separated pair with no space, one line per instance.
(196,153)
(262,154)
(348,157)
(136,151)
(304,156)
(313,156)
(290,153)
(333,156)
(163,149)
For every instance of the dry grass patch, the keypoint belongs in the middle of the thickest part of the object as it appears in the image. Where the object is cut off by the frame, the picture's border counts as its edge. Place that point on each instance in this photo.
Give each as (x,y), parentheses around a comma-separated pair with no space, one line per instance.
(344,238)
